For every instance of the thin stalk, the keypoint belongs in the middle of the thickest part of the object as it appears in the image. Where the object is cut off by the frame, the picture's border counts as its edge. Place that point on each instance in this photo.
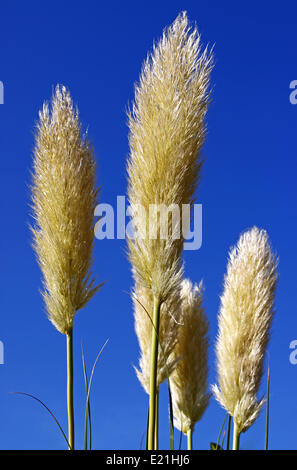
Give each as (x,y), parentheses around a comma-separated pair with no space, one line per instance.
(236,436)
(49,411)
(88,406)
(180,440)
(221,430)
(190,438)
(169,390)
(147,427)
(157,422)
(223,440)
(170,414)
(153,374)
(267,409)
(70,408)
(88,388)
(229,432)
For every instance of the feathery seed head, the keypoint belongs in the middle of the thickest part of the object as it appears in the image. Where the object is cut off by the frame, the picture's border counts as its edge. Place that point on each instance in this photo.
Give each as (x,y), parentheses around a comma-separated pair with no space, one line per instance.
(167,130)
(244,322)
(189,378)
(64,199)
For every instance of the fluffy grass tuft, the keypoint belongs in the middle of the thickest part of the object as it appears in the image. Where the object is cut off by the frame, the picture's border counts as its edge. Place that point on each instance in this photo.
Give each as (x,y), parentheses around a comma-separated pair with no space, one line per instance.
(247,307)
(64,199)
(189,378)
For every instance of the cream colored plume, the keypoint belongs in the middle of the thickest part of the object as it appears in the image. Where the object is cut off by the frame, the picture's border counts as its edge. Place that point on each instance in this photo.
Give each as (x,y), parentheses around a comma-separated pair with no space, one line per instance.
(64,199)
(189,378)
(244,321)
(168,333)
(167,130)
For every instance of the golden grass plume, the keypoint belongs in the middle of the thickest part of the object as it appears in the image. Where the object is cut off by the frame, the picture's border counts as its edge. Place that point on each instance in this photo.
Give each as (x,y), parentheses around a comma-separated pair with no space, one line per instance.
(64,198)
(244,323)
(189,378)
(167,131)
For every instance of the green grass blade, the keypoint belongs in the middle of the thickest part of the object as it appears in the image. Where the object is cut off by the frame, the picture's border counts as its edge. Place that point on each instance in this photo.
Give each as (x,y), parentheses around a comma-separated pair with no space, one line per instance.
(223,439)
(215,446)
(94,365)
(49,411)
(221,430)
(141,441)
(91,377)
(88,408)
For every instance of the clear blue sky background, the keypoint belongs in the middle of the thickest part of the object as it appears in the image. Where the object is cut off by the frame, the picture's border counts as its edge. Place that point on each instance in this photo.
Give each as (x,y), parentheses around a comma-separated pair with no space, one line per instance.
(97,49)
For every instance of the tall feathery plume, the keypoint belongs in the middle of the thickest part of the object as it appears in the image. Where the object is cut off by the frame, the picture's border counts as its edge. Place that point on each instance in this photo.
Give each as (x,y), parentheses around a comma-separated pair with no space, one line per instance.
(64,198)
(189,378)
(244,323)
(167,130)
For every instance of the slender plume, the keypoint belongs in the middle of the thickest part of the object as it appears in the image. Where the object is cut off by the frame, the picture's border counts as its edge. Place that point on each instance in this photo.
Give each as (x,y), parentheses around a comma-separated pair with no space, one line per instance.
(189,381)
(64,199)
(167,131)
(247,307)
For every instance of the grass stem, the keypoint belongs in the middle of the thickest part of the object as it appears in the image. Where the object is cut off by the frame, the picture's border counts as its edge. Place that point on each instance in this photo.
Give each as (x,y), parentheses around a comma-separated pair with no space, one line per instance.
(157,422)
(171,415)
(229,432)
(70,408)
(267,409)
(236,436)
(190,438)
(153,374)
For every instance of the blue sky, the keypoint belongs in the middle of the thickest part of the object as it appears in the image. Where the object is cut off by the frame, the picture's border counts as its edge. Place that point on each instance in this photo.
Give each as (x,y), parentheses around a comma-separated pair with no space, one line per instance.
(249,178)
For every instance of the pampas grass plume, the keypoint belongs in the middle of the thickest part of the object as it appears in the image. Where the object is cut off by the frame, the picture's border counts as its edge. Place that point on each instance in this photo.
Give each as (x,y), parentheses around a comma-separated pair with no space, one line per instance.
(167,130)
(244,324)
(64,199)
(189,378)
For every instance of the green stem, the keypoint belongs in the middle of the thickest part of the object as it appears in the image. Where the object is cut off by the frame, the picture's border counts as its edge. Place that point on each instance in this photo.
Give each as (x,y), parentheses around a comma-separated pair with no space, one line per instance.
(147,426)
(171,416)
(70,390)
(157,422)
(190,438)
(267,408)
(236,436)
(153,374)
(221,430)
(229,432)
